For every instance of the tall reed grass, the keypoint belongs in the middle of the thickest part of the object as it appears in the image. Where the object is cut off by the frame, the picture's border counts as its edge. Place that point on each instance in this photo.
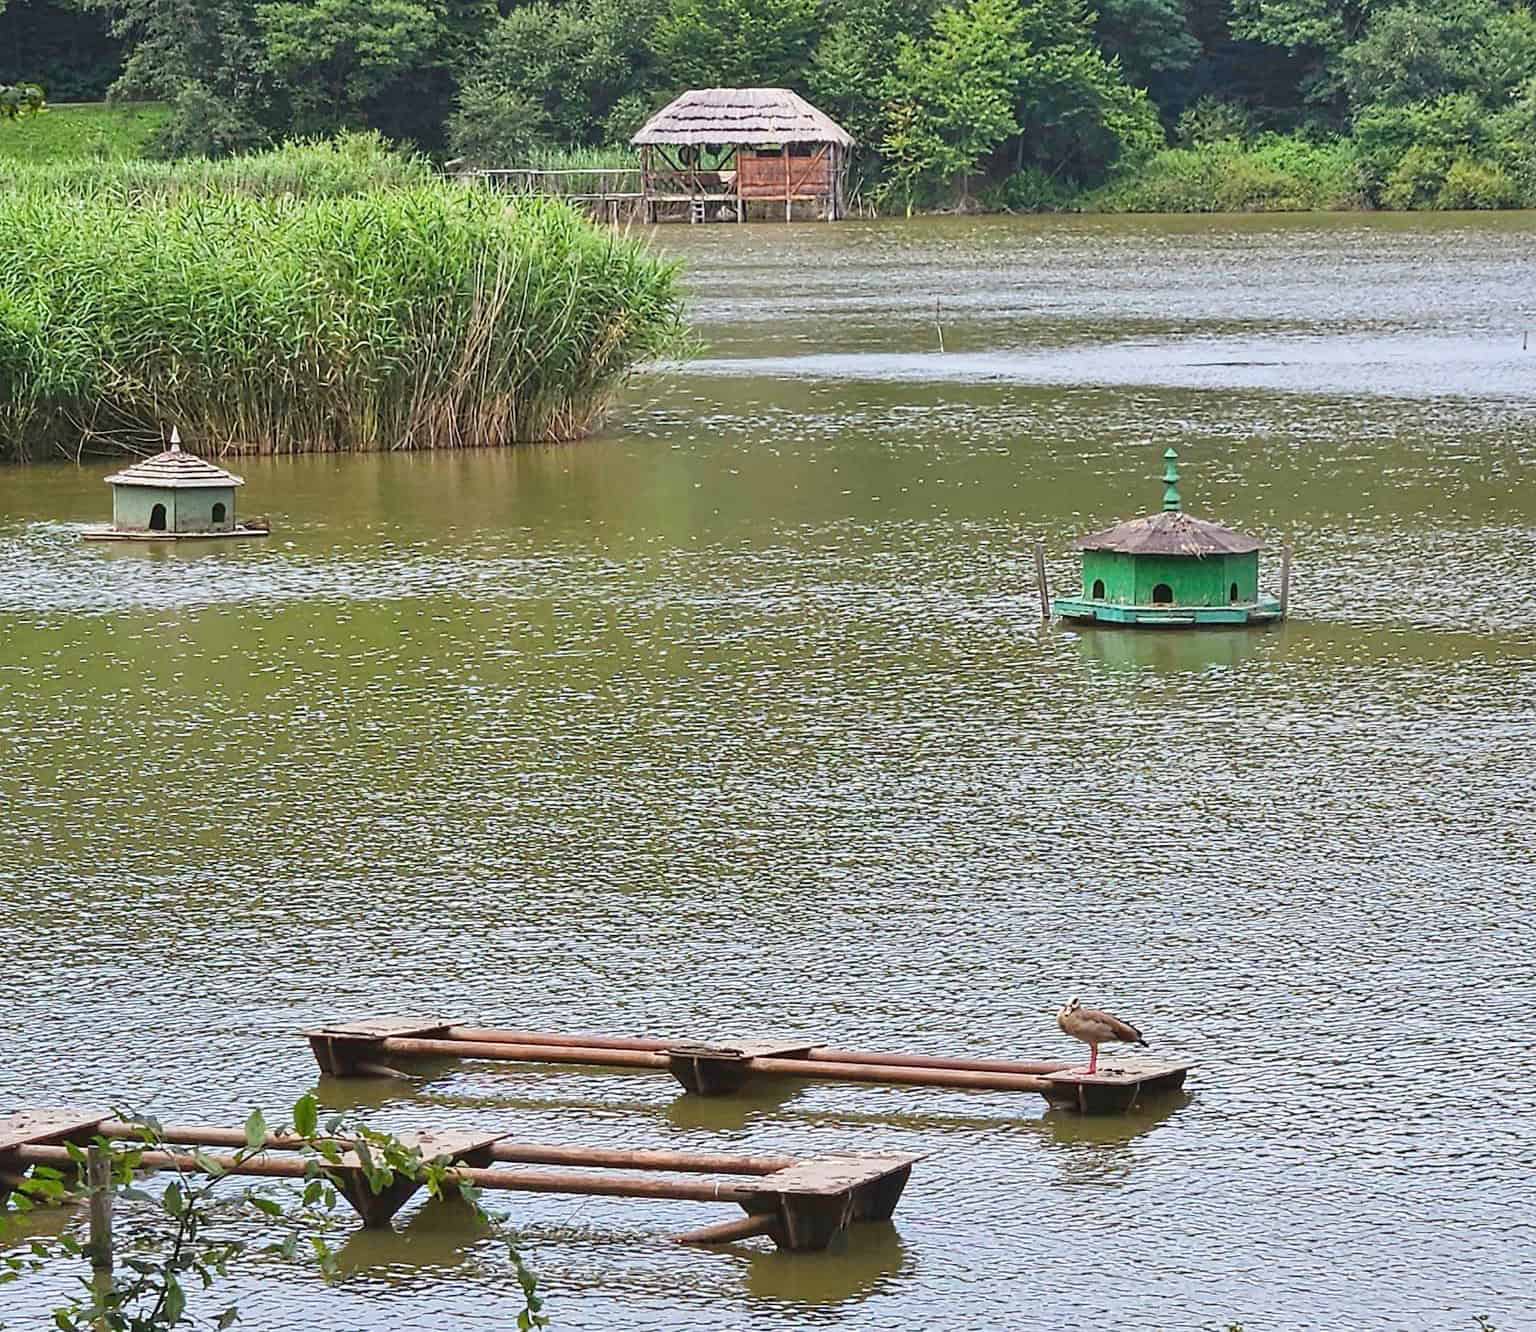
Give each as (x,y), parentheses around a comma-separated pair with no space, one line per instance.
(323,168)
(434,316)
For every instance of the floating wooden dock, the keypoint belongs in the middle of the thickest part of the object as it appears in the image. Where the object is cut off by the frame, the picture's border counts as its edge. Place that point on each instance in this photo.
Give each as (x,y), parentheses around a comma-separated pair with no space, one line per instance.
(362,1049)
(800,1204)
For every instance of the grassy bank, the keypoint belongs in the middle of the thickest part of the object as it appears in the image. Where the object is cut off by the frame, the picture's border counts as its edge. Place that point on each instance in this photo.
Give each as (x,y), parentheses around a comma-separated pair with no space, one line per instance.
(82,132)
(429,316)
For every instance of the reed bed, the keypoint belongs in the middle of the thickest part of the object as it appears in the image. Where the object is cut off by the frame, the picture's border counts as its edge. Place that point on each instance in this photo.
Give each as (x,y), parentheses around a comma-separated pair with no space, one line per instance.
(307,169)
(432,317)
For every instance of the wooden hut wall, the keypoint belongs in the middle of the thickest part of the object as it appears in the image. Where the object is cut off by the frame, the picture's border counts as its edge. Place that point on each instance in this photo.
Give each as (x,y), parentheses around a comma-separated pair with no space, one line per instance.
(764,176)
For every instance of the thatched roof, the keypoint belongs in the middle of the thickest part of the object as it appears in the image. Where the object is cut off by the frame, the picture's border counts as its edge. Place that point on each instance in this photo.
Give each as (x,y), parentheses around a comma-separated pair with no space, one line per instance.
(174,470)
(753,116)
(1171,532)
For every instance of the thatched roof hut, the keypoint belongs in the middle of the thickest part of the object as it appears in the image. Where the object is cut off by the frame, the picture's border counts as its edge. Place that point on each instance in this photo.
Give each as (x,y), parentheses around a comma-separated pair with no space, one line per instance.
(719,150)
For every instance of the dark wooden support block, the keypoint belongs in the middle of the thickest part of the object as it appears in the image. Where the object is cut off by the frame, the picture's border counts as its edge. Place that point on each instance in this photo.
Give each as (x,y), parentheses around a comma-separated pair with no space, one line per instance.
(718,1070)
(817,1200)
(352,1049)
(377,1210)
(1117,1087)
(809,1223)
(877,1201)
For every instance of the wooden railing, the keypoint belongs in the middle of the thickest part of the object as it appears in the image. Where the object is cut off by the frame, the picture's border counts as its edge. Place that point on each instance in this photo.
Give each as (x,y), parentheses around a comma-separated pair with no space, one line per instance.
(582,184)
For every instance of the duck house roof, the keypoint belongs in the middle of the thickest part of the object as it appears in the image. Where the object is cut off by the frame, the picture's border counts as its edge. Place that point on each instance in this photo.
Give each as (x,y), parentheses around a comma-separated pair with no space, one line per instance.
(1171,532)
(174,470)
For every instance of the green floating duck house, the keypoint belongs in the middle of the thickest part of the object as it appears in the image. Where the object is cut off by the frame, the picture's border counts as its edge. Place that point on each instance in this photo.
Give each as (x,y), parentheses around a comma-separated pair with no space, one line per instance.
(1170,570)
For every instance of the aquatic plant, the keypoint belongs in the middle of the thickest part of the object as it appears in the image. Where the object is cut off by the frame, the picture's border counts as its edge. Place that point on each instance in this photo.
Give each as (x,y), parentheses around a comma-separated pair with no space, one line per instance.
(436,316)
(141,1282)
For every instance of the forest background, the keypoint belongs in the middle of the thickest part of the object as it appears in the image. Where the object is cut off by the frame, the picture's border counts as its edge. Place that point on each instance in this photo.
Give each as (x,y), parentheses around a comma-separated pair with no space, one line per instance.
(1166,105)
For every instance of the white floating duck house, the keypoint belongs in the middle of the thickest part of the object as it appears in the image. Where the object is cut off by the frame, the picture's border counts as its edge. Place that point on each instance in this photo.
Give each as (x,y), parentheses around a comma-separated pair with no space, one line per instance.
(171,496)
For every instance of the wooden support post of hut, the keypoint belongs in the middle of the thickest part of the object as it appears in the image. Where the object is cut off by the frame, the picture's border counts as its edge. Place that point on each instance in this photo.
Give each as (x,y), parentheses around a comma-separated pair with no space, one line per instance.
(719,150)
(1171,570)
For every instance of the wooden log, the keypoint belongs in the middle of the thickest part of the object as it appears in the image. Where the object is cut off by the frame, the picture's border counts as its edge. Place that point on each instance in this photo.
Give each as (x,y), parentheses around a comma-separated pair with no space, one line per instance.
(899,1075)
(98,1177)
(498,1036)
(263,1167)
(823,1054)
(819,1053)
(543,1054)
(726,1232)
(523,1153)
(1045,592)
(606,1186)
(682,1162)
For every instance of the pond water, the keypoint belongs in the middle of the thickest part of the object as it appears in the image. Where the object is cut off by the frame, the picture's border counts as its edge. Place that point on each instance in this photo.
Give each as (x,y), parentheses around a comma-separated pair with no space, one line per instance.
(741,719)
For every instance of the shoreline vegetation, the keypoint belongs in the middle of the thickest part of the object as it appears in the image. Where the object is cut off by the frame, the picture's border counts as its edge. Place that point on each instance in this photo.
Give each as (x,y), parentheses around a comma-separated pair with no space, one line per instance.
(324,297)
(1444,157)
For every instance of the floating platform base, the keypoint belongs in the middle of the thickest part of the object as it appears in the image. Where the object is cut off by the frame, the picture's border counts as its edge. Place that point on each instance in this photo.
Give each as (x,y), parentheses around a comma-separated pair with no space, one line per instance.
(1086,611)
(1114,1088)
(800,1204)
(114,534)
(718,1068)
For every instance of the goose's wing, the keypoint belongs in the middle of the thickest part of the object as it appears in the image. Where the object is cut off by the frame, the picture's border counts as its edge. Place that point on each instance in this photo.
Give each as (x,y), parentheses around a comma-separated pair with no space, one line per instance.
(1119,1031)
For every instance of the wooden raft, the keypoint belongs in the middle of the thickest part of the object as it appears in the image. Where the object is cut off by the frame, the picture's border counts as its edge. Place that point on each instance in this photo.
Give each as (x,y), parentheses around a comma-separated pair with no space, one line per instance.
(353,1049)
(802,1205)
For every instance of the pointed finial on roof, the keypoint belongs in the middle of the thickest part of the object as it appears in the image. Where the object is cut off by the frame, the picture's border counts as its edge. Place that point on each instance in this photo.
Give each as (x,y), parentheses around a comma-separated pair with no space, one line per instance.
(1171,500)
(175,440)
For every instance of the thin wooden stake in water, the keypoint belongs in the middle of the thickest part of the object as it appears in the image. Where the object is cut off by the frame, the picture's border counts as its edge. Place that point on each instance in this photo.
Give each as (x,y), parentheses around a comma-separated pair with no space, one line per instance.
(1285,580)
(1045,594)
(936,322)
(98,1178)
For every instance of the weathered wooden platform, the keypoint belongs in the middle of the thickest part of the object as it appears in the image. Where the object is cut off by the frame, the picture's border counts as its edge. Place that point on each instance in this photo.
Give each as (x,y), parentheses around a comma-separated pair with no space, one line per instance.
(716,1068)
(1117,1086)
(801,1204)
(112,534)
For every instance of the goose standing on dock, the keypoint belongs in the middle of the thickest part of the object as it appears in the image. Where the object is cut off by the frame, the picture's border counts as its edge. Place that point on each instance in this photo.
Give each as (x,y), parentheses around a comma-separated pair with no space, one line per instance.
(1094,1027)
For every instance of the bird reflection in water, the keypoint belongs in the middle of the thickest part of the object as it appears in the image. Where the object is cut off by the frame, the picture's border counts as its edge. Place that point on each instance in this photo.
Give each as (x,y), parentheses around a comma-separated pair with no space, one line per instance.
(1092,1148)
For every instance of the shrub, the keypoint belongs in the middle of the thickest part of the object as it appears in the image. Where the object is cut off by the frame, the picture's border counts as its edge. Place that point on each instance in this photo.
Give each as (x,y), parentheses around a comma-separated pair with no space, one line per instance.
(1027,191)
(1472,184)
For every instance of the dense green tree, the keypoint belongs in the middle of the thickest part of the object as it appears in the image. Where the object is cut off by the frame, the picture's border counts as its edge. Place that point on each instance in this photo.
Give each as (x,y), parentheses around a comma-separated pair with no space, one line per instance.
(1150,38)
(736,43)
(337,57)
(852,70)
(205,57)
(574,74)
(959,85)
(69,47)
